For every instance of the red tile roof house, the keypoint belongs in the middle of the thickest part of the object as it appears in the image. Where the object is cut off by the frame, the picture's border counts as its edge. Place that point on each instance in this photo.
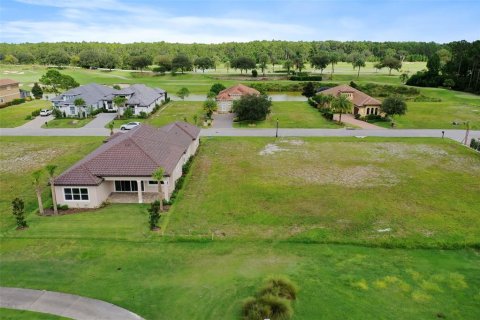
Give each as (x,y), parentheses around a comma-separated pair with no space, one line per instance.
(226,97)
(363,104)
(124,165)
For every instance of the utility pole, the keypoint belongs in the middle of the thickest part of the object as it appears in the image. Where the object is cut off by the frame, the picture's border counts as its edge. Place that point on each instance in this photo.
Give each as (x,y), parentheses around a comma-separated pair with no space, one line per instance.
(276,132)
(467,132)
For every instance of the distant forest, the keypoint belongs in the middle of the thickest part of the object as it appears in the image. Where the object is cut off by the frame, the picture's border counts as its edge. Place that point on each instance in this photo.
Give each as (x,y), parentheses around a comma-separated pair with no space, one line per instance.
(454,65)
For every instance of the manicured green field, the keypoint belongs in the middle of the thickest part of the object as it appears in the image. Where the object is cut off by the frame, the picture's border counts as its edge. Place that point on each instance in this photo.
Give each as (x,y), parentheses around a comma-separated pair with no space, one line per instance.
(11,314)
(405,192)
(14,116)
(292,114)
(67,123)
(27,154)
(266,215)
(171,112)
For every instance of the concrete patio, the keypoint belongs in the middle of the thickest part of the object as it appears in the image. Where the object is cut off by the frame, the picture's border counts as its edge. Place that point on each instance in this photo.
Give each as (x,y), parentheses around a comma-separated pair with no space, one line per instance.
(132,197)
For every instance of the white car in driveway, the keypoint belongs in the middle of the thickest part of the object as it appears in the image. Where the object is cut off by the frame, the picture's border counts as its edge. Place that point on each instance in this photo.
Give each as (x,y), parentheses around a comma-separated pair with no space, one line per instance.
(45,112)
(129,126)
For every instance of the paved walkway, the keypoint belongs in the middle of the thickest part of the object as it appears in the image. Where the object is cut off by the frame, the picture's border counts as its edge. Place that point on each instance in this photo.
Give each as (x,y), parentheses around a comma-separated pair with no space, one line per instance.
(62,304)
(350,119)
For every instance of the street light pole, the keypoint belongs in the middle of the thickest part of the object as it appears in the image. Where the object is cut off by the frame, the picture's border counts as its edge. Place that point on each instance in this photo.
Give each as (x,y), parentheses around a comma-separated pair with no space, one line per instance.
(276,132)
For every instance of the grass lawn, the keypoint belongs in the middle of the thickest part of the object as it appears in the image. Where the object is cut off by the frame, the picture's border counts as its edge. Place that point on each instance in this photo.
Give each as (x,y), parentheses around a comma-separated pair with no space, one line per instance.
(272,214)
(14,116)
(27,154)
(171,112)
(11,314)
(67,123)
(292,114)
(375,191)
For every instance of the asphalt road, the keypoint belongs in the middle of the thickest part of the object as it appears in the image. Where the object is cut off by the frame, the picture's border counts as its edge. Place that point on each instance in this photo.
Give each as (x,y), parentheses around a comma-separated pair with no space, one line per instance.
(62,304)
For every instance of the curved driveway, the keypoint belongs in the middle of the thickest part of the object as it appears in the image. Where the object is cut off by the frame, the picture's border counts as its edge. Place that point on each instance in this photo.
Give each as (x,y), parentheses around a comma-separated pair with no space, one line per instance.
(62,304)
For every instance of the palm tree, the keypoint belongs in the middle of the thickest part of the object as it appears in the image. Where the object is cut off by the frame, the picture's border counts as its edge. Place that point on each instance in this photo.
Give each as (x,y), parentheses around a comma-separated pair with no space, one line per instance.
(158,176)
(51,177)
(37,175)
(341,104)
(111,125)
(119,101)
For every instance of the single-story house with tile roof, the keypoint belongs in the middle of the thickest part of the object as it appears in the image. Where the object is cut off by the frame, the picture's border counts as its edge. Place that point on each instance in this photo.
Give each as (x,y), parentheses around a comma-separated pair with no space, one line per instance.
(96,96)
(9,90)
(226,97)
(363,104)
(124,164)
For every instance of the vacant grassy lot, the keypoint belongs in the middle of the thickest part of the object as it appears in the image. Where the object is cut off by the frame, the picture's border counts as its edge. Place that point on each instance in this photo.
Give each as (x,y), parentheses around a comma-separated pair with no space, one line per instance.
(14,116)
(23,155)
(406,192)
(10,314)
(292,114)
(67,123)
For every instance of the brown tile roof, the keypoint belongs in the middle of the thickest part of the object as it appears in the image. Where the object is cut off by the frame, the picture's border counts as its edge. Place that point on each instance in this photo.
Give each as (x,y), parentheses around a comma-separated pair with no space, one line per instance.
(238,89)
(137,153)
(360,99)
(6,82)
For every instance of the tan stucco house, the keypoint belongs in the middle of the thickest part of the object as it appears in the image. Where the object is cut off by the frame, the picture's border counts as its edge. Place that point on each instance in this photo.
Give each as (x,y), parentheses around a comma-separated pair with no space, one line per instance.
(124,164)
(226,97)
(363,104)
(9,90)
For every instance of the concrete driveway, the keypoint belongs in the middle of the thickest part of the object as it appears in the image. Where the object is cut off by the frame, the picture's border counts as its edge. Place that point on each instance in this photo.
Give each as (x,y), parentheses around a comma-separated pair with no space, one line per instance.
(350,119)
(223,120)
(100,121)
(36,123)
(62,304)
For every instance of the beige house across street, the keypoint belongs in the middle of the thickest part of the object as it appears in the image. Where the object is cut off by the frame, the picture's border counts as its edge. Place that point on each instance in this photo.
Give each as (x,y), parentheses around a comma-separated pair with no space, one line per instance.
(9,90)
(122,167)
(363,104)
(226,97)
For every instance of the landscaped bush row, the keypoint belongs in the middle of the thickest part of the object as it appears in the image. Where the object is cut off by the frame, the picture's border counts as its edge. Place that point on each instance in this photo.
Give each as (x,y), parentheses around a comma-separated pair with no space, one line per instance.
(326,112)
(305,78)
(179,184)
(378,90)
(14,102)
(279,87)
(128,113)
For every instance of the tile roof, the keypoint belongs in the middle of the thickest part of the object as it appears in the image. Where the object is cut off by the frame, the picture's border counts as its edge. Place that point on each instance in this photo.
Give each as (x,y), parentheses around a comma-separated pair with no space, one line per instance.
(360,99)
(137,153)
(6,82)
(236,90)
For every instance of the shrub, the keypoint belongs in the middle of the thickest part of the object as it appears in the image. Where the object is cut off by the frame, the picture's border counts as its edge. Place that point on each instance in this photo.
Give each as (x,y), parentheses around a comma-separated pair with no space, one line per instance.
(16,101)
(18,210)
(128,113)
(254,73)
(252,107)
(280,287)
(29,117)
(305,78)
(475,144)
(62,207)
(267,307)
(154,214)
(36,113)
(217,87)
(143,115)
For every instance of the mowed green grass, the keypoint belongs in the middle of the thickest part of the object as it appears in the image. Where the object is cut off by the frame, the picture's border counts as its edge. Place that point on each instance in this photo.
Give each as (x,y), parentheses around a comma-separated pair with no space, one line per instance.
(67,123)
(109,254)
(291,114)
(374,191)
(14,116)
(209,280)
(11,314)
(24,155)
(171,112)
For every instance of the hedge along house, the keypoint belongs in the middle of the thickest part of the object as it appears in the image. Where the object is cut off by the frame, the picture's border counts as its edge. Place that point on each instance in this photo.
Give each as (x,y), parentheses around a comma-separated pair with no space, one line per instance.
(124,165)
(96,96)
(226,97)
(363,104)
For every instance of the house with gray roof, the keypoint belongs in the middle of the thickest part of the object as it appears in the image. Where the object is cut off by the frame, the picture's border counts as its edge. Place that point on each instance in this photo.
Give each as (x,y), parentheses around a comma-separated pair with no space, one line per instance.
(124,165)
(139,97)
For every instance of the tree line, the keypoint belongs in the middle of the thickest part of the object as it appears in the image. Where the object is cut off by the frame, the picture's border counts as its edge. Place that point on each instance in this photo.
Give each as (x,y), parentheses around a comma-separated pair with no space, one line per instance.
(288,54)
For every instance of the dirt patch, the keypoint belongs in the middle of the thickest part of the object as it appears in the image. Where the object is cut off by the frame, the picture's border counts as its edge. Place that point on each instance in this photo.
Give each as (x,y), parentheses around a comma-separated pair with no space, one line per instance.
(357,176)
(293,142)
(25,159)
(405,151)
(271,148)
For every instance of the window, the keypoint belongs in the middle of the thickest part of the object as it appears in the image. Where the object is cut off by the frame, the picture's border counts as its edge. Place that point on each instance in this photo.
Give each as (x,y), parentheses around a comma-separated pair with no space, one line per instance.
(152,182)
(72,110)
(76,194)
(127,186)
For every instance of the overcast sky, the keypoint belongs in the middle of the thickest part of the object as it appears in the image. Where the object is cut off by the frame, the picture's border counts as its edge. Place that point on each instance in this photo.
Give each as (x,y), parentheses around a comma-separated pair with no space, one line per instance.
(190,21)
